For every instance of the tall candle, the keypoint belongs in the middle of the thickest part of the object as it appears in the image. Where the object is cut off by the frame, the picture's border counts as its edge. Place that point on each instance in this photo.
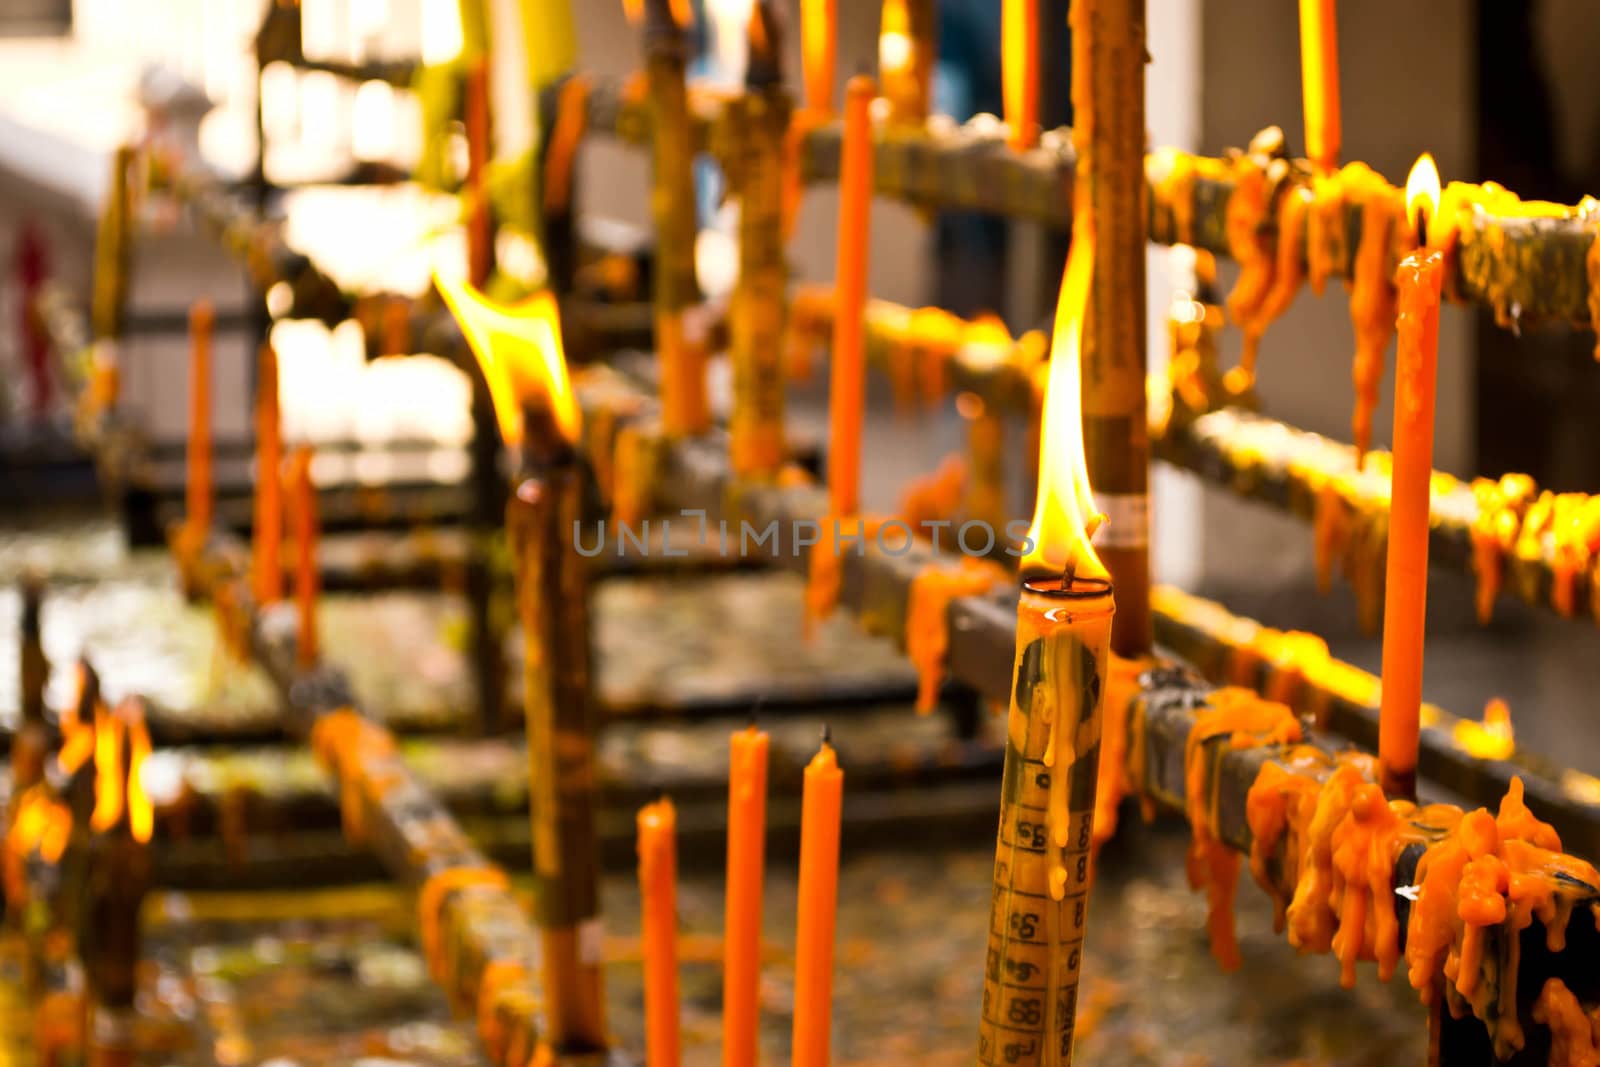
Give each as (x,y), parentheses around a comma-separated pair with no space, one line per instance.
(267,567)
(307,580)
(847,384)
(1319,73)
(658,892)
(1419,280)
(741,954)
(1019,57)
(1064,617)
(198,488)
(819,20)
(820,809)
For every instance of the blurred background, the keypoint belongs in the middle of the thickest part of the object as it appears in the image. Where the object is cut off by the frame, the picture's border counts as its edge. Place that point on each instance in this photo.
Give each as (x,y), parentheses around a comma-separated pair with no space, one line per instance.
(1494,90)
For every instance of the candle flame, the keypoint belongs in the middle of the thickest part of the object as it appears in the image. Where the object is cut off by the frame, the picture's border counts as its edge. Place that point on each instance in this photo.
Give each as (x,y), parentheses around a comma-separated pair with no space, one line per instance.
(519,349)
(141,812)
(107,770)
(1422,193)
(681,13)
(1064,516)
(41,822)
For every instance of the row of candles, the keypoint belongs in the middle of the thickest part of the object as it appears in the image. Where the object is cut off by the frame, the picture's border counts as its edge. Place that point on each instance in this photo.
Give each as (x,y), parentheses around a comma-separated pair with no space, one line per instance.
(821,811)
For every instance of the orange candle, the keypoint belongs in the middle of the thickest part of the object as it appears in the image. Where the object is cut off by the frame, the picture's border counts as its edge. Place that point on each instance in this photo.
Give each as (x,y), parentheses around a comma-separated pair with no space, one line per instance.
(1019,56)
(820,808)
(268,533)
(658,892)
(1419,281)
(198,501)
(847,390)
(1319,73)
(818,22)
(307,581)
(741,954)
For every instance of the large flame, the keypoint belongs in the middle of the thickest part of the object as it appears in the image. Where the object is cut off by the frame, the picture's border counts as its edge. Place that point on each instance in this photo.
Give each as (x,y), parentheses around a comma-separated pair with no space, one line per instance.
(1422,194)
(519,349)
(1064,515)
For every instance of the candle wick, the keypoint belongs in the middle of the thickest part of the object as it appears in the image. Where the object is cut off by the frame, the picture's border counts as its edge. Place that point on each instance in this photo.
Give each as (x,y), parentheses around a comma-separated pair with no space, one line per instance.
(827,734)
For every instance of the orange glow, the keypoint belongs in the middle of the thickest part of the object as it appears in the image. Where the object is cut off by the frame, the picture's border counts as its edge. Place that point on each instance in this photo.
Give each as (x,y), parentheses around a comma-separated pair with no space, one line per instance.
(1064,515)
(634,9)
(107,770)
(1493,738)
(1019,66)
(77,736)
(519,349)
(141,813)
(1422,194)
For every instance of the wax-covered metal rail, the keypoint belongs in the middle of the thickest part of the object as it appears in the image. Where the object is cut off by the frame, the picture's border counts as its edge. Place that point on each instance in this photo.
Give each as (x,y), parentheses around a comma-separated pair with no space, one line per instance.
(1506,535)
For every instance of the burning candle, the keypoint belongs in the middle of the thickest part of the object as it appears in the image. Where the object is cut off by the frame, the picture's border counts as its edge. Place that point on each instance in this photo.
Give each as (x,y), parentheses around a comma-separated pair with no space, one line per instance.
(197,502)
(818,22)
(1319,74)
(847,383)
(303,509)
(820,807)
(1019,56)
(519,350)
(658,891)
(741,955)
(1419,281)
(267,570)
(1041,875)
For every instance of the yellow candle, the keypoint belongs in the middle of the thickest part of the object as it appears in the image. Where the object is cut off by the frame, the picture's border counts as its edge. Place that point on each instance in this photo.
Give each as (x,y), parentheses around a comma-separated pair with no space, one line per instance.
(1319,72)
(741,956)
(847,383)
(658,892)
(818,20)
(1019,57)
(820,810)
